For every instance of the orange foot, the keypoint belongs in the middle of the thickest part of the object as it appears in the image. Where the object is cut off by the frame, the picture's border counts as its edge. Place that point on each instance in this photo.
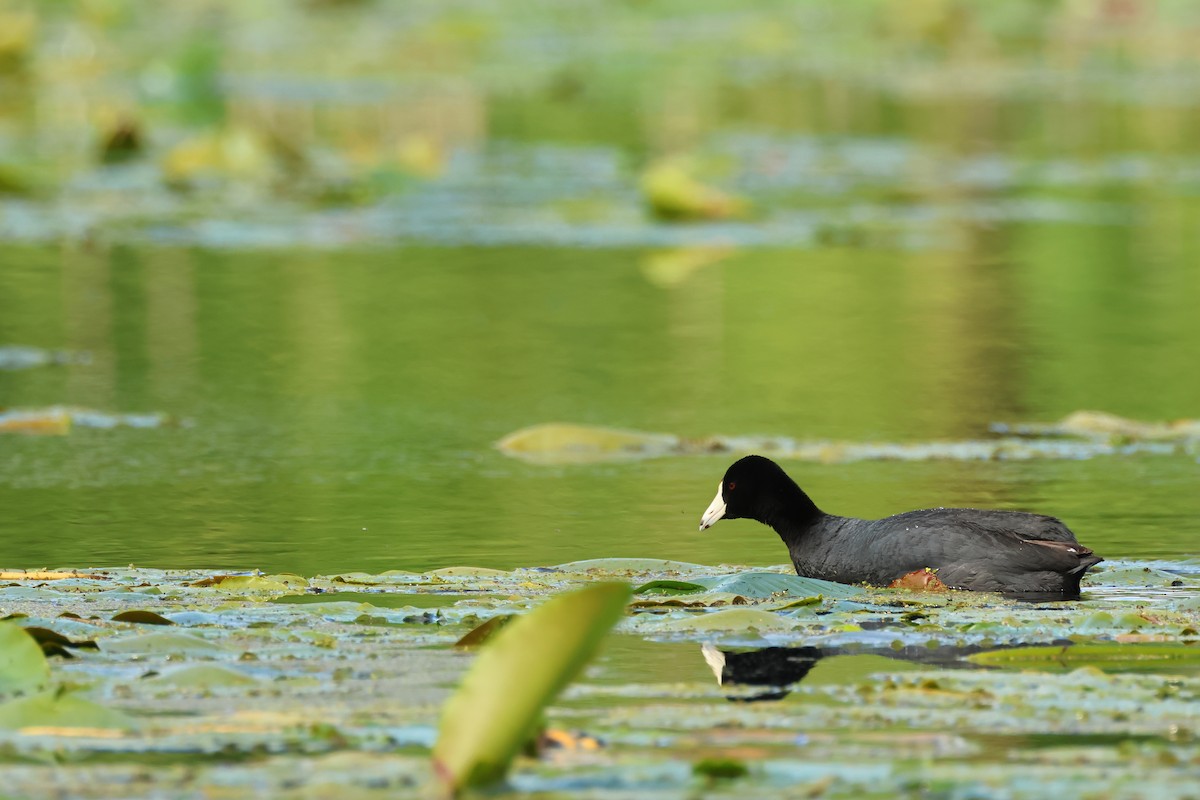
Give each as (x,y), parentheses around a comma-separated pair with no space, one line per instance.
(556,739)
(921,580)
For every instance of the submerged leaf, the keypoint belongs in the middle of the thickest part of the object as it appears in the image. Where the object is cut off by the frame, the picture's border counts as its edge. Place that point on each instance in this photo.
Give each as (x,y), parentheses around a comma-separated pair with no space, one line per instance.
(496,708)
(254,583)
(23,667)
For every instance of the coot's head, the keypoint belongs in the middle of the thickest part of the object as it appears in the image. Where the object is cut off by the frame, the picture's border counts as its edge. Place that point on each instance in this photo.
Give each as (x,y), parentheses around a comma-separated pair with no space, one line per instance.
(749,487)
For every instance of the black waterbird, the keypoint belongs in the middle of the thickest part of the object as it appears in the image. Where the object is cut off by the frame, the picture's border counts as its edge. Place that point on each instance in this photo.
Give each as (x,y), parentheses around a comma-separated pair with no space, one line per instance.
(1013,552)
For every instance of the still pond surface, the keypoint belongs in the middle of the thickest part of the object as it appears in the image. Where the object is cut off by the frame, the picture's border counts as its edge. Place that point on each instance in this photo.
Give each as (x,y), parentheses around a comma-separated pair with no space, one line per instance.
(338,410)
(343,280)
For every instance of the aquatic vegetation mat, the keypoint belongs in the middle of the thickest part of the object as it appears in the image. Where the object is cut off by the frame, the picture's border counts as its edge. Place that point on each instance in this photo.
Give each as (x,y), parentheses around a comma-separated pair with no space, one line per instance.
(716,680)
(1083,434)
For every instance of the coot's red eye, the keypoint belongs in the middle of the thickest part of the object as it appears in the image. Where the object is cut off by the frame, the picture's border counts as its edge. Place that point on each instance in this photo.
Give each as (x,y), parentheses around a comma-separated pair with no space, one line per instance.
(732,485)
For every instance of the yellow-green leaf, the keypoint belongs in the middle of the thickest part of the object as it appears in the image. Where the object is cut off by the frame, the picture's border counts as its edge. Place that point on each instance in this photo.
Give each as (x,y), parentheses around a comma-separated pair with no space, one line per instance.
(517,674)
(23,667)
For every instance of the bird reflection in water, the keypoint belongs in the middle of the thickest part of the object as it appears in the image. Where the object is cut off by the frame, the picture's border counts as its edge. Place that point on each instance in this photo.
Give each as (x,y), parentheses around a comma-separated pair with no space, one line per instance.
(770,673)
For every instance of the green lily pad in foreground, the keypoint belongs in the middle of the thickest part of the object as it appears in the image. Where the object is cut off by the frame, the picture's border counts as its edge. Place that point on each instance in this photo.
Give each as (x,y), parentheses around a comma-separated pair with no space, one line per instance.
(23,667)
(496,708)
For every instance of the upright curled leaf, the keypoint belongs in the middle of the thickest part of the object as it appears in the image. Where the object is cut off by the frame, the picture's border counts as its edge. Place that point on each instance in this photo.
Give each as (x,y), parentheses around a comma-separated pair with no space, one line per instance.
(523,668)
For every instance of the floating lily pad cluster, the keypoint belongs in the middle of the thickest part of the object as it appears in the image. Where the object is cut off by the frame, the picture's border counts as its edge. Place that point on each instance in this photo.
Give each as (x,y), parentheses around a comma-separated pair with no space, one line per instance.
(1083,434)
(340,680)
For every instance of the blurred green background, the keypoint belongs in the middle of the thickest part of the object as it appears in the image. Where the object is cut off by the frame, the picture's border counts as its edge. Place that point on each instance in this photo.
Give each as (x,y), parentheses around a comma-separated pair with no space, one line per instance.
(346,246)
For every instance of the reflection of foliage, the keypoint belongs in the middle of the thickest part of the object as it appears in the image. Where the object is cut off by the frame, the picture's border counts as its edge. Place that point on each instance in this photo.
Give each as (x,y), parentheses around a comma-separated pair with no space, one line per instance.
(199,98)
(18,36)
(312,70)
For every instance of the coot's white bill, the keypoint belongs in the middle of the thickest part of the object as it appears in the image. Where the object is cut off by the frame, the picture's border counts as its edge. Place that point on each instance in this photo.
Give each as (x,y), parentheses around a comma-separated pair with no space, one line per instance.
(715,511)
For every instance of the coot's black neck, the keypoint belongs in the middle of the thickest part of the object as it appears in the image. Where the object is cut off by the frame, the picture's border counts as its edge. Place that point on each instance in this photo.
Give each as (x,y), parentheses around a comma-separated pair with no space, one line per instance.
(790,512)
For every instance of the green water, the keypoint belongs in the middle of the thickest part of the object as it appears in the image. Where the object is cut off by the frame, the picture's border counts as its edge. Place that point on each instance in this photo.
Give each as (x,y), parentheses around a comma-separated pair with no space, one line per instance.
(964,214)
(339,409)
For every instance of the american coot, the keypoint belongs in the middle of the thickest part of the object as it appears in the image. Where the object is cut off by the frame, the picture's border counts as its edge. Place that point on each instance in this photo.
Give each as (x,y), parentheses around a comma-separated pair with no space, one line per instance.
(985,551)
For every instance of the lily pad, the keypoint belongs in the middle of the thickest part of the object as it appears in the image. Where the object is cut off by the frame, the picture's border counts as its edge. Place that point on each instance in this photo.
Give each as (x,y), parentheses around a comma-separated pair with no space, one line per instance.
(159,644)
(563,443)
(202,676)
(674,193)
(55,710)
(23,667)
(767,584)
(734,619)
